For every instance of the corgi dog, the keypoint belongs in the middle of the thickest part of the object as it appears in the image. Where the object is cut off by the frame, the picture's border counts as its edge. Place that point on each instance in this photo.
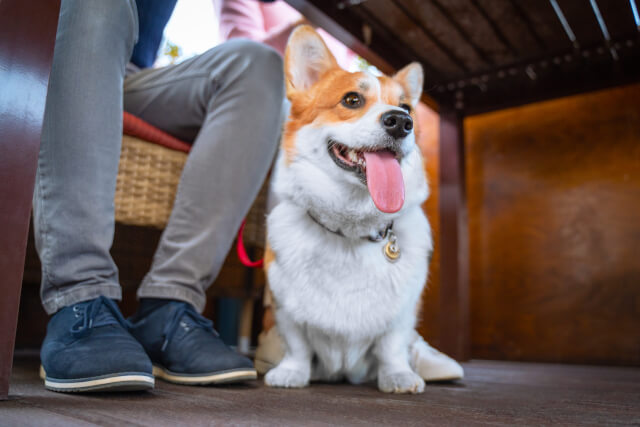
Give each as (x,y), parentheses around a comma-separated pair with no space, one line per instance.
(347,242)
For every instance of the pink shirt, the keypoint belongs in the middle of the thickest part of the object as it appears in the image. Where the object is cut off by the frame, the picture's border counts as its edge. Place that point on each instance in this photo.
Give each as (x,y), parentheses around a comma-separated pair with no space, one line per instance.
(270,23)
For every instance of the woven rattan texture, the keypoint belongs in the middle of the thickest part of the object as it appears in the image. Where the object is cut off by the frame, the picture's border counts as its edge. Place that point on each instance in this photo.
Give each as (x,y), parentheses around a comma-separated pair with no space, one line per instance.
(147,182)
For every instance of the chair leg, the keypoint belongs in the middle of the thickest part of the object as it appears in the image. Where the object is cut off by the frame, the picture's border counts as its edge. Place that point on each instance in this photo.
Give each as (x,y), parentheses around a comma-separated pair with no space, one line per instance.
(245,327)
(25,55)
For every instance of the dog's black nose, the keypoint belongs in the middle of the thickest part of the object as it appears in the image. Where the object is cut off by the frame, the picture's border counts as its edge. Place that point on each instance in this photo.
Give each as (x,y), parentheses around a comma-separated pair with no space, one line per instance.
(398,124)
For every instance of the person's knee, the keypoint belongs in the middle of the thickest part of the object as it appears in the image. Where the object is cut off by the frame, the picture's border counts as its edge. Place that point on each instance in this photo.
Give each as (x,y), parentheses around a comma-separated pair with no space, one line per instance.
(256,60)
(266,65)
(262,56)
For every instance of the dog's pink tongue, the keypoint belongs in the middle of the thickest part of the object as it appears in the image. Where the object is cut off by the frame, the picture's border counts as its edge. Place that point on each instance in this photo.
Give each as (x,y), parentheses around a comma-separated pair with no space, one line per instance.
(384,179)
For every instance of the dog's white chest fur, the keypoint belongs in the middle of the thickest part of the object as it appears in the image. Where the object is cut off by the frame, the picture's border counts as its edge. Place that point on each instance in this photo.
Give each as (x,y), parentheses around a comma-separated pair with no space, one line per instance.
(343,292)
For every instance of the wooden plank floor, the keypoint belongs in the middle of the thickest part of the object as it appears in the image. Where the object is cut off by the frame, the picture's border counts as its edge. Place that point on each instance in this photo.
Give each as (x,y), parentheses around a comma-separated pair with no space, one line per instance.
(496,393)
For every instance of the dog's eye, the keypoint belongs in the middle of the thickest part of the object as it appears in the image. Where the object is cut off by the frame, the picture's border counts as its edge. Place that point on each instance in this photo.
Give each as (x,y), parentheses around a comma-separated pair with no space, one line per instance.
(406,107)
(352,100)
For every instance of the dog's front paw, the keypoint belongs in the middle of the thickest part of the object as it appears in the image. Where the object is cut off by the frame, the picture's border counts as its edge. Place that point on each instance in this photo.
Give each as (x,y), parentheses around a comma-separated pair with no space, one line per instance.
(286,377)
(401,382)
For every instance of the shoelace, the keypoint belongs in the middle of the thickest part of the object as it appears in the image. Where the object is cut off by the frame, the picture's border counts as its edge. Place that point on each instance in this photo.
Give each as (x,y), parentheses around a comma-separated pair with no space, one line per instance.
(185,309)
(90,316)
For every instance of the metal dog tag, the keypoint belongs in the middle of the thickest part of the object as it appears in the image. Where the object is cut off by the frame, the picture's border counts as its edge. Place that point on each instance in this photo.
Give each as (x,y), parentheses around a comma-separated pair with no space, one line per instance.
(391,249)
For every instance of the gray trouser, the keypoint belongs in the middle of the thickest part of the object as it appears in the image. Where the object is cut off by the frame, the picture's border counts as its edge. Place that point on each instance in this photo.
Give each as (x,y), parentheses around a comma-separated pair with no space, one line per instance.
(226,101)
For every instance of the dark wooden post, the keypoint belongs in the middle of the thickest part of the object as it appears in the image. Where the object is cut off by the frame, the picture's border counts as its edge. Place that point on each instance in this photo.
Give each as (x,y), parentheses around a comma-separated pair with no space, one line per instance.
(454,248)
(27,36)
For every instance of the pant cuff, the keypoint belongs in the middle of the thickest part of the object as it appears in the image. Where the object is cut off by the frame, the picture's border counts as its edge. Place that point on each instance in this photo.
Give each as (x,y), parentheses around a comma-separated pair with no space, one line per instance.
(79,294)
(172,291)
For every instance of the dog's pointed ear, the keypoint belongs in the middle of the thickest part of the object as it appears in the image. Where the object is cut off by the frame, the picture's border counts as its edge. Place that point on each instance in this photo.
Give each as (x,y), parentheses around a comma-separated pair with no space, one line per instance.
(411,78)
(306,59)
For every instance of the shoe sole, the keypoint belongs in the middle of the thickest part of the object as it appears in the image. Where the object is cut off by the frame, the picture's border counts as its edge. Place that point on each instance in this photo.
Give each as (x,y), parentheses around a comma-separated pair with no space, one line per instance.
(129,381)
(225,377)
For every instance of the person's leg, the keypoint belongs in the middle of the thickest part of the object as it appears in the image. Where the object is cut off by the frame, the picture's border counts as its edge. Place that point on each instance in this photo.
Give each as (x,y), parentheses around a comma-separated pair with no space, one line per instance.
(73,208)
(228,101)
(87,346)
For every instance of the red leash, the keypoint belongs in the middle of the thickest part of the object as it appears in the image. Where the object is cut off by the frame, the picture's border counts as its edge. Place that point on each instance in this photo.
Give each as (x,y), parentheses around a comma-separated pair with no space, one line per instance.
(242,252)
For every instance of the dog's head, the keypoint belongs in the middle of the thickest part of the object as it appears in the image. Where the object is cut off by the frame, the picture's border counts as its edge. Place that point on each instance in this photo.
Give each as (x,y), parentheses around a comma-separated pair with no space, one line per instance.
(350,137)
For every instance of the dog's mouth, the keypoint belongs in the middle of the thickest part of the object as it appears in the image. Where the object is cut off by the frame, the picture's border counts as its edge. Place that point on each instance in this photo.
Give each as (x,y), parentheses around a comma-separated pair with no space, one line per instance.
(349,159)
(379,170)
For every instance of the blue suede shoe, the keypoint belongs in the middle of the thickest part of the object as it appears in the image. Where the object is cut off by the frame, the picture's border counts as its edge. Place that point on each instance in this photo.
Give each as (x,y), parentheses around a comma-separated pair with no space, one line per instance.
(88,348)
(185,349)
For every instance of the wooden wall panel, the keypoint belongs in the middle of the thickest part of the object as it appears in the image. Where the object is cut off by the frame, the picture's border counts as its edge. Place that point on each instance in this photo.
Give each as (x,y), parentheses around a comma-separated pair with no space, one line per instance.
(554,225)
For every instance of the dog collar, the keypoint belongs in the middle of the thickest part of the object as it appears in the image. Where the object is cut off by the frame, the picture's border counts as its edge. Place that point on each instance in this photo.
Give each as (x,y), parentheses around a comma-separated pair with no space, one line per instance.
(391,250)
(381,235)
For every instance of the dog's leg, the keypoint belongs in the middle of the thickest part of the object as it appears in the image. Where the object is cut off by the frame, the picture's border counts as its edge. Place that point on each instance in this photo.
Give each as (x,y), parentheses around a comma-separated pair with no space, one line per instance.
(394,372)
(294,370)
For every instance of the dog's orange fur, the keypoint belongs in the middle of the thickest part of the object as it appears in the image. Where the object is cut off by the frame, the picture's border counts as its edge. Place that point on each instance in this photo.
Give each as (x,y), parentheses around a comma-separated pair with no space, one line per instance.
(269,257)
